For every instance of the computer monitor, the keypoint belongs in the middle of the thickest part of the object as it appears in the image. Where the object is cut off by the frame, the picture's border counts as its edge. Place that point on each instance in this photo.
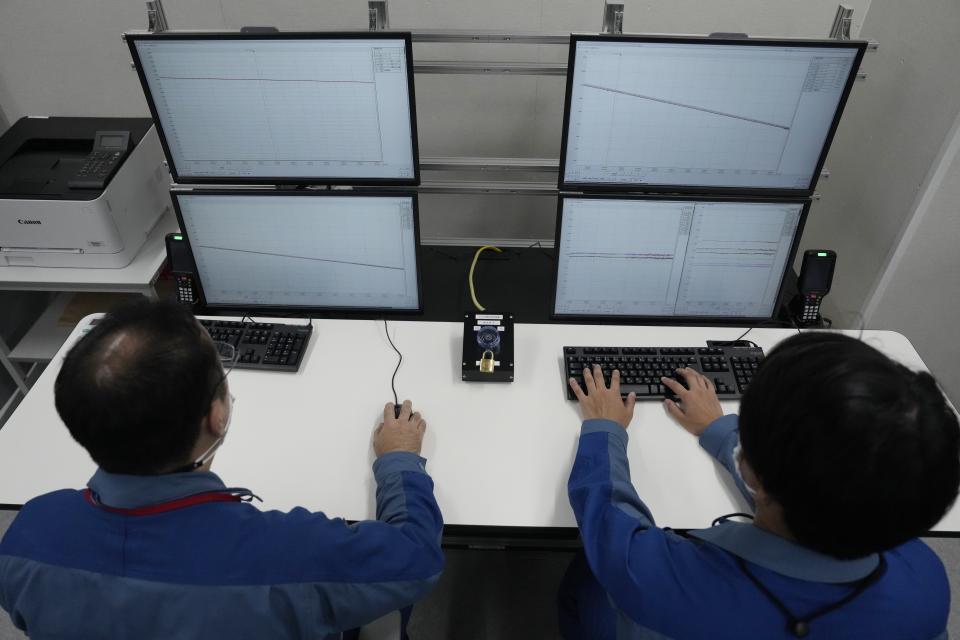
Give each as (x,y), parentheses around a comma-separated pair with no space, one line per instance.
(310,250)
(702,115)
(679,258)
(283,108)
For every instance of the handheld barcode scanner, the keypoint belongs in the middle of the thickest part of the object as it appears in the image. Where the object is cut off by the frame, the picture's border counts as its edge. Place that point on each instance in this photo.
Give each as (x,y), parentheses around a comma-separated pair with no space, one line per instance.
(816,276)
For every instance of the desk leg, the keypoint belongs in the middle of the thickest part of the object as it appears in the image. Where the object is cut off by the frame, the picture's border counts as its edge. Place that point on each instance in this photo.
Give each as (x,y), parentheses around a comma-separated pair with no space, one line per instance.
(19,380)
(15,373)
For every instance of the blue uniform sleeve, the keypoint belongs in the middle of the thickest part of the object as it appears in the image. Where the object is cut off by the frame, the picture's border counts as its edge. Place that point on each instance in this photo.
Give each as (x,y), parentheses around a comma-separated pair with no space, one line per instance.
(410,526)
(405,498)
(720,440)
(396,559)
(645,570)
(612,519)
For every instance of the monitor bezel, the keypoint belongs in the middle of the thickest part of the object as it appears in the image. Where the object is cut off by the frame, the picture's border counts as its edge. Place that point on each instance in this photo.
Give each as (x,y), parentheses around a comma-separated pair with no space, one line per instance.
(309,309)
(406,36)
(674,319)
(779,192)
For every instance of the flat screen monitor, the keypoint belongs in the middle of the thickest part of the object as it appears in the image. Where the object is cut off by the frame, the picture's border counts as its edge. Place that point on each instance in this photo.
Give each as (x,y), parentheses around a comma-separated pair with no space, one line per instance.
(686,115)
(285,108)
(681,258)
(303,250)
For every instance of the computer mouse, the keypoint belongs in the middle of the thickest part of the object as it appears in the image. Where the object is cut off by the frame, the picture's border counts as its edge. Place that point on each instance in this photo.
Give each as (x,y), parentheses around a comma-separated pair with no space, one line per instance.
(667,392)
(396,410)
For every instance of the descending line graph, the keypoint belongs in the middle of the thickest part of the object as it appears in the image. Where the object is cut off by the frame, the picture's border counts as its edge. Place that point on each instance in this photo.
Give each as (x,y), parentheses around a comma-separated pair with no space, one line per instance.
(630,125)
(296,257)
(265,79)
(688,106)
(699,114)
(333,251)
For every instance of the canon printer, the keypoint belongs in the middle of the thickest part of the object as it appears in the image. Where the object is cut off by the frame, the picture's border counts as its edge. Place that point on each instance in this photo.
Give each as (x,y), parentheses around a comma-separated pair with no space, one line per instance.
(79,192)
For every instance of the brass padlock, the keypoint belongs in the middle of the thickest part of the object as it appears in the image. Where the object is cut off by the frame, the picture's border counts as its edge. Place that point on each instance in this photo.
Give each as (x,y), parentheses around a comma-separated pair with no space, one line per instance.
(486,362)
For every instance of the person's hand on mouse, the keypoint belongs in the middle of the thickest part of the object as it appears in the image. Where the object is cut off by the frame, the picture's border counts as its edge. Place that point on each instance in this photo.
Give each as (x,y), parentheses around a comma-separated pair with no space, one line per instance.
(695,408)
(403,433)
(601,401)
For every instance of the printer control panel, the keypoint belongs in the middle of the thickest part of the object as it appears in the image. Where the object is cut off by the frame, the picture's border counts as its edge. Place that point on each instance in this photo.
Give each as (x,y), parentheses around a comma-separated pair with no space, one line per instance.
(109,150)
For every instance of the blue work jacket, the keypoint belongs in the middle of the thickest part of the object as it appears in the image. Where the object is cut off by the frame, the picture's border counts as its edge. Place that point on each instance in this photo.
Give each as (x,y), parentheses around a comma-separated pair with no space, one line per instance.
(657,584)
(182,556)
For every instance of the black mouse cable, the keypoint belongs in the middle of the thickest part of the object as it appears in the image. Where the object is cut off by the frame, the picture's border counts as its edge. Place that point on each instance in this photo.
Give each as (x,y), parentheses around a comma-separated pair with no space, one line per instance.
(393,379)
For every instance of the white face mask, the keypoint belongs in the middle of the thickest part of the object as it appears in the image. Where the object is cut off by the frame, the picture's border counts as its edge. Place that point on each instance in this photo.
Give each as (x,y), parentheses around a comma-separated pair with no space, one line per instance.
(738,460)
(199,462)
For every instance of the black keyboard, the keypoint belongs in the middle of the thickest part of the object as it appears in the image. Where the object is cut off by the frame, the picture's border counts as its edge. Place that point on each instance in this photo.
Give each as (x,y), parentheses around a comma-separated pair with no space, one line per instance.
(730,368)
(263,345)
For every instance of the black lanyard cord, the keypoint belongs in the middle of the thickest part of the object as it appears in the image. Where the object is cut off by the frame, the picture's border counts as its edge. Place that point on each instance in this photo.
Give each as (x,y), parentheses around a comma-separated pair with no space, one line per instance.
(798,626)
(722,519)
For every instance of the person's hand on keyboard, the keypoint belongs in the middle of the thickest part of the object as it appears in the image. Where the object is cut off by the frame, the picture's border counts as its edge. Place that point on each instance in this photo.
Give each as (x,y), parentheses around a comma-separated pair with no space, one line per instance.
(695,407)
(601,401)
(403,433)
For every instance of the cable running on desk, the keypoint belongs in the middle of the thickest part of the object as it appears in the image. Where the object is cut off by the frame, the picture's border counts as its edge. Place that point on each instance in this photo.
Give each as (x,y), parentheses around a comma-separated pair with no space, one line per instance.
(393,378)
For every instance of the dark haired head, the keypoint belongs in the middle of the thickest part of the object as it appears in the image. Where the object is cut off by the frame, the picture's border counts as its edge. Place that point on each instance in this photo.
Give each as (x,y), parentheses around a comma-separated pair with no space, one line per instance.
(135,389)
(861,453)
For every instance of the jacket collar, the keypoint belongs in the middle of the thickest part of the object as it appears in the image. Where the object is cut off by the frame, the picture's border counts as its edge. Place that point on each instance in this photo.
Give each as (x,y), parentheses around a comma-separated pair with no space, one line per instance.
(772,552)
(128,491)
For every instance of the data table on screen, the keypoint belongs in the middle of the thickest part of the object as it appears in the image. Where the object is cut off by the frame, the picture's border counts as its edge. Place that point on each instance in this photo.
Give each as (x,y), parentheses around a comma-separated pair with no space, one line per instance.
(640,257)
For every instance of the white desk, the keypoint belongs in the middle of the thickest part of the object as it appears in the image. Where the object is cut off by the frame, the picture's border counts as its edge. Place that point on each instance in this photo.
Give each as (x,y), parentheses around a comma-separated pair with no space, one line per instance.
(499,454)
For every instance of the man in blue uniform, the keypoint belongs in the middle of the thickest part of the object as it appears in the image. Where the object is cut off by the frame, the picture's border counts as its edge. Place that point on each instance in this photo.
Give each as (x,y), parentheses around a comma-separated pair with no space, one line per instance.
(845,458)
(158,547)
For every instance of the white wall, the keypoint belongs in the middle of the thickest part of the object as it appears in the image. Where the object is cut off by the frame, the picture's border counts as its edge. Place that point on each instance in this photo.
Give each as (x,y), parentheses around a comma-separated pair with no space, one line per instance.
(66,58)
(919,289)
(887,143)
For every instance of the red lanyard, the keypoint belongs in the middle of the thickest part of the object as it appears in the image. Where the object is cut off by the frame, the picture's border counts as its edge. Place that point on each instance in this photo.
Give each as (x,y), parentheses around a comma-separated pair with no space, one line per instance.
(163,507)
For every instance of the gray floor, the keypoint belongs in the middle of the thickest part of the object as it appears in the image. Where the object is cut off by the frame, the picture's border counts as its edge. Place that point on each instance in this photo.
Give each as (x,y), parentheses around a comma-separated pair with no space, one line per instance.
(508,595)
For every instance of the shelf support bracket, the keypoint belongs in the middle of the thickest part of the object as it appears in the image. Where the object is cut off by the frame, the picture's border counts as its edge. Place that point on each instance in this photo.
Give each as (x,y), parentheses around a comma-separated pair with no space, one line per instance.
(156,17)
(612,18)
(842,23)
(377,15)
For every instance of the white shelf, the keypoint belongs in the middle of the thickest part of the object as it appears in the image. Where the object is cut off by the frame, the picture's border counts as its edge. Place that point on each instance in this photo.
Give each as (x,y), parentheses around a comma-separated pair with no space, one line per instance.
(46,336)
(136,277)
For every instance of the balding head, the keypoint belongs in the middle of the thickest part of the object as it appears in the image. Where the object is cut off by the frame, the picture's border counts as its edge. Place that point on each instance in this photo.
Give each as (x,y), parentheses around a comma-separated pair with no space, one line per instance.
(135,390)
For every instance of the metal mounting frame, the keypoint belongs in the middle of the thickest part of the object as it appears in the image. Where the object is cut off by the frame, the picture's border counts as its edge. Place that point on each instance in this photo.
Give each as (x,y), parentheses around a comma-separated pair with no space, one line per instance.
(377,17)
(491,187)
(484,68)
(842,29)
(156,17)
(842,23)
(612,18)
(456,36)
(611,23)
(523,165)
